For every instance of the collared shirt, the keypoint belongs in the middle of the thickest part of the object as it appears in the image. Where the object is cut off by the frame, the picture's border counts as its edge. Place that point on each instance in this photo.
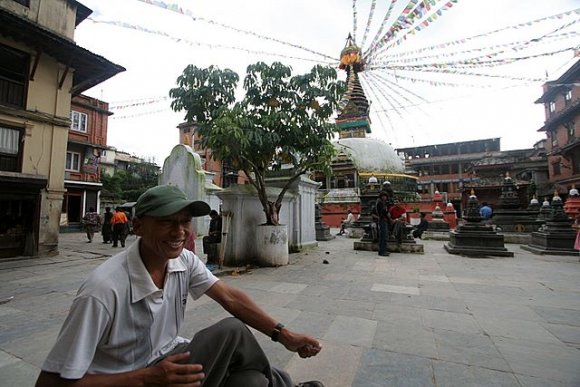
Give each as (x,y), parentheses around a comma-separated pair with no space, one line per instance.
(120,321)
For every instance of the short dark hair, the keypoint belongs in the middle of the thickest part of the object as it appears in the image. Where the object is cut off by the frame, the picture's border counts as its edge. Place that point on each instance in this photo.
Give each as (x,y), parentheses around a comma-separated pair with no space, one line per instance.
(213,213)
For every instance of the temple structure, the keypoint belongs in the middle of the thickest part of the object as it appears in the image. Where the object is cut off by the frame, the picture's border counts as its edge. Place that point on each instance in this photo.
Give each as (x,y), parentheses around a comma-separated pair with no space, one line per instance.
(360,160)
(474,238)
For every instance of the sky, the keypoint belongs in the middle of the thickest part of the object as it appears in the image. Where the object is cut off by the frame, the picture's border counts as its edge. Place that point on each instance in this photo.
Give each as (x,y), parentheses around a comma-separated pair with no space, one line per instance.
(156,44)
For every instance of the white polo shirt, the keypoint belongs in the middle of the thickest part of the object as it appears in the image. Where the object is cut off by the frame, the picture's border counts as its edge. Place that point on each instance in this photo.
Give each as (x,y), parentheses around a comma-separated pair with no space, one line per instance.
(120,321)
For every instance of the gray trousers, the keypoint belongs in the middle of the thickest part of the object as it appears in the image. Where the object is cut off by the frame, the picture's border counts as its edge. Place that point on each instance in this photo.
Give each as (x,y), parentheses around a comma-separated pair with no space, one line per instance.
(231,356)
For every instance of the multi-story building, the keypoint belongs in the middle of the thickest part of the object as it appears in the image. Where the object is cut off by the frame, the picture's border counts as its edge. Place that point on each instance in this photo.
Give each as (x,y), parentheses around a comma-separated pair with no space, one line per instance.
(454,169)
(87,141)
(444,167)
(561,99)
(41,68)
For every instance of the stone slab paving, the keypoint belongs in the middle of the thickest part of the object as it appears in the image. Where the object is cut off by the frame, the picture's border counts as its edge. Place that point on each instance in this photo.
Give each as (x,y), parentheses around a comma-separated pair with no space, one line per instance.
(404,320)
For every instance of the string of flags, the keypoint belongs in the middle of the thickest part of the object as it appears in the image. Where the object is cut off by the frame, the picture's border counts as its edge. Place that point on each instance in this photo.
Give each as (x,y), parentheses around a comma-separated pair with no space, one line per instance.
(150,101)
(382,25)
(492,48)
(436,83)
(405,25)
(140,28)
(473,62)
(186,12)
(370,19)
(462,41)
(354,20)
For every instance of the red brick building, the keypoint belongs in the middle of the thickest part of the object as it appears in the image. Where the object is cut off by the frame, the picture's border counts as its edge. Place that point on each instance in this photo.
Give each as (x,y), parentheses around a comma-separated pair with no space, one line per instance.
(87,139)
(561,98)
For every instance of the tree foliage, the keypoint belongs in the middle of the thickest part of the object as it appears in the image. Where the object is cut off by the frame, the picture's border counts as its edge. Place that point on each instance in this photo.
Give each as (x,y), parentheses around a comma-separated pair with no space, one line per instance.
(127,186)
(281,119)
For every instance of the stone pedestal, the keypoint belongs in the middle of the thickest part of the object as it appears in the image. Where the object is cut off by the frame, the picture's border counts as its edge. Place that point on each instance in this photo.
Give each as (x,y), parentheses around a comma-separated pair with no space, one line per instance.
(322,229)
(438,223)
(475,239)
(557,236)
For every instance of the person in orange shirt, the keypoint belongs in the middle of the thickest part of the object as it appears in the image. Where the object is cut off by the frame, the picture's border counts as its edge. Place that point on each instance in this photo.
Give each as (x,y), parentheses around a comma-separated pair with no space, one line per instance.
(119,222)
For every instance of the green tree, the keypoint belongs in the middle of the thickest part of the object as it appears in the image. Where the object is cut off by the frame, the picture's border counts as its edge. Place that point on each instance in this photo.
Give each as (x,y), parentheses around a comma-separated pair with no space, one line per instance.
(127,186)
(281,119)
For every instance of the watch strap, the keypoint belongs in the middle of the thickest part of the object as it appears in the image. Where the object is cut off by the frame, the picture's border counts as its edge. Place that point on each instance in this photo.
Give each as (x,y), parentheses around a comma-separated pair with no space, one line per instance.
(276,332)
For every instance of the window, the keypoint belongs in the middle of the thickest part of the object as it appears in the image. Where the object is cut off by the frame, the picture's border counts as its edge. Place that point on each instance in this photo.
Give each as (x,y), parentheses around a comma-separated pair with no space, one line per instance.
(556,168)
(78,121)
(568,97)
(570,129)
(13,77)
(9,149)
(554,139)
(552,107)
(73,161)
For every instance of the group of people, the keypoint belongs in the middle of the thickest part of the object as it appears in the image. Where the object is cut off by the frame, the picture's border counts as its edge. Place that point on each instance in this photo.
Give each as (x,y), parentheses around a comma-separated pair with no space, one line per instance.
(388,213)
(114,226)
(122,328)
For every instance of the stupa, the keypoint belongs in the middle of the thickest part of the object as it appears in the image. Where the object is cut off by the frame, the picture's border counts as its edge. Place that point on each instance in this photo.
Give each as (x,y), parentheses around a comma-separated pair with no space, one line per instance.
(572,206)
(557,236)
(508,216)
(474,238)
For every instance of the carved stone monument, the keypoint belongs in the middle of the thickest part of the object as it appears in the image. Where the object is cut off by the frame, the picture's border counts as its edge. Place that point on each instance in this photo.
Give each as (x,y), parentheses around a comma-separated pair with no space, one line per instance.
(322,229)
(557,236)
(474,238)
(509,217)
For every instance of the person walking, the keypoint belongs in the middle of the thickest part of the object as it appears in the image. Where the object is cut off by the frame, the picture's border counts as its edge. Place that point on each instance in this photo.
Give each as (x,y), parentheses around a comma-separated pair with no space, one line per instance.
(92,222)
(107,230)
(122,328)
(119,222)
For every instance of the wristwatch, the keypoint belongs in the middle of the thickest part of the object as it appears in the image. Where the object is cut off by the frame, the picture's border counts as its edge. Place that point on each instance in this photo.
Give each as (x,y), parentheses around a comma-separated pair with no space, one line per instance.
(277,331)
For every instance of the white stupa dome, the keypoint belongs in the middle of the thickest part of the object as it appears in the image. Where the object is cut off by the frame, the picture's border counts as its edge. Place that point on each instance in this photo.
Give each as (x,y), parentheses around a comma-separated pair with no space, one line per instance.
(371,155)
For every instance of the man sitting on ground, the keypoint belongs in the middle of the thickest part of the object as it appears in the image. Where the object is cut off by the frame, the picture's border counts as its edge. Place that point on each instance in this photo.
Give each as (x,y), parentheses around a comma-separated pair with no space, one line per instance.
(398,221)
(421,227)
(346,223)
(122,329)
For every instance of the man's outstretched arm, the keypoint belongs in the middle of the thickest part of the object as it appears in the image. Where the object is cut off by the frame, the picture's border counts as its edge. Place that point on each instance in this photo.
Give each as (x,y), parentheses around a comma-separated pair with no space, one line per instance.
(241,306)
(165,373)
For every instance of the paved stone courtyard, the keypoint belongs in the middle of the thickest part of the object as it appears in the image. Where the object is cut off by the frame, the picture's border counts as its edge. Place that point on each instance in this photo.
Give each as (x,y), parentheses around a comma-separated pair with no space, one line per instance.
(406,320)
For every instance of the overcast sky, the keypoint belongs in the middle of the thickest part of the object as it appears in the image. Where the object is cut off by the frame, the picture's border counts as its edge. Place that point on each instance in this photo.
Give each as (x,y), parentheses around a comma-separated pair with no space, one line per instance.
(144,125)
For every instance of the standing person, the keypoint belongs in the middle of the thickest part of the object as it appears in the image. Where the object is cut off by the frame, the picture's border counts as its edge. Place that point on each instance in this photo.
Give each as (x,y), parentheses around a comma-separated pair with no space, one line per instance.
(214,236)
(346,223)
(383,215)
(397,220)
(92,221)
(107,229)
(122,327)
(119,223)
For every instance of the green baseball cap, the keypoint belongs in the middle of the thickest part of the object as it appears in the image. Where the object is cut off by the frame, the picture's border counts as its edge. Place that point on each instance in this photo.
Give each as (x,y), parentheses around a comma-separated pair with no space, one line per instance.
(165,200)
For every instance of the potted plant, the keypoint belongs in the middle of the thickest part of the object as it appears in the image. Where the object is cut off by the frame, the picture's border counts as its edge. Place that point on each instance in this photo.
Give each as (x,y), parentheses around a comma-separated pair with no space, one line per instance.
(281,119)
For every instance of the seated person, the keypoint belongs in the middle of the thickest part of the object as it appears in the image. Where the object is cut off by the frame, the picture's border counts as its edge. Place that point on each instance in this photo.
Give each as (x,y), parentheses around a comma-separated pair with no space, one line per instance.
(214,236)
(346,223)
(397,215)
(122,328)
(421,227)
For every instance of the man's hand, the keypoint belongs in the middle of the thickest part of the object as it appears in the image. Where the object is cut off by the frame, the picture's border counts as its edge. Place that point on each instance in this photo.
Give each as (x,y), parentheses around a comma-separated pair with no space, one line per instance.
(171,372)
(305,346)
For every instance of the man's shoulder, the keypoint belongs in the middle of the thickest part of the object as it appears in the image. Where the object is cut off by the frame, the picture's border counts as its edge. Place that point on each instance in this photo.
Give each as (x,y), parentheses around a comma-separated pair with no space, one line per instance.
(111,274)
